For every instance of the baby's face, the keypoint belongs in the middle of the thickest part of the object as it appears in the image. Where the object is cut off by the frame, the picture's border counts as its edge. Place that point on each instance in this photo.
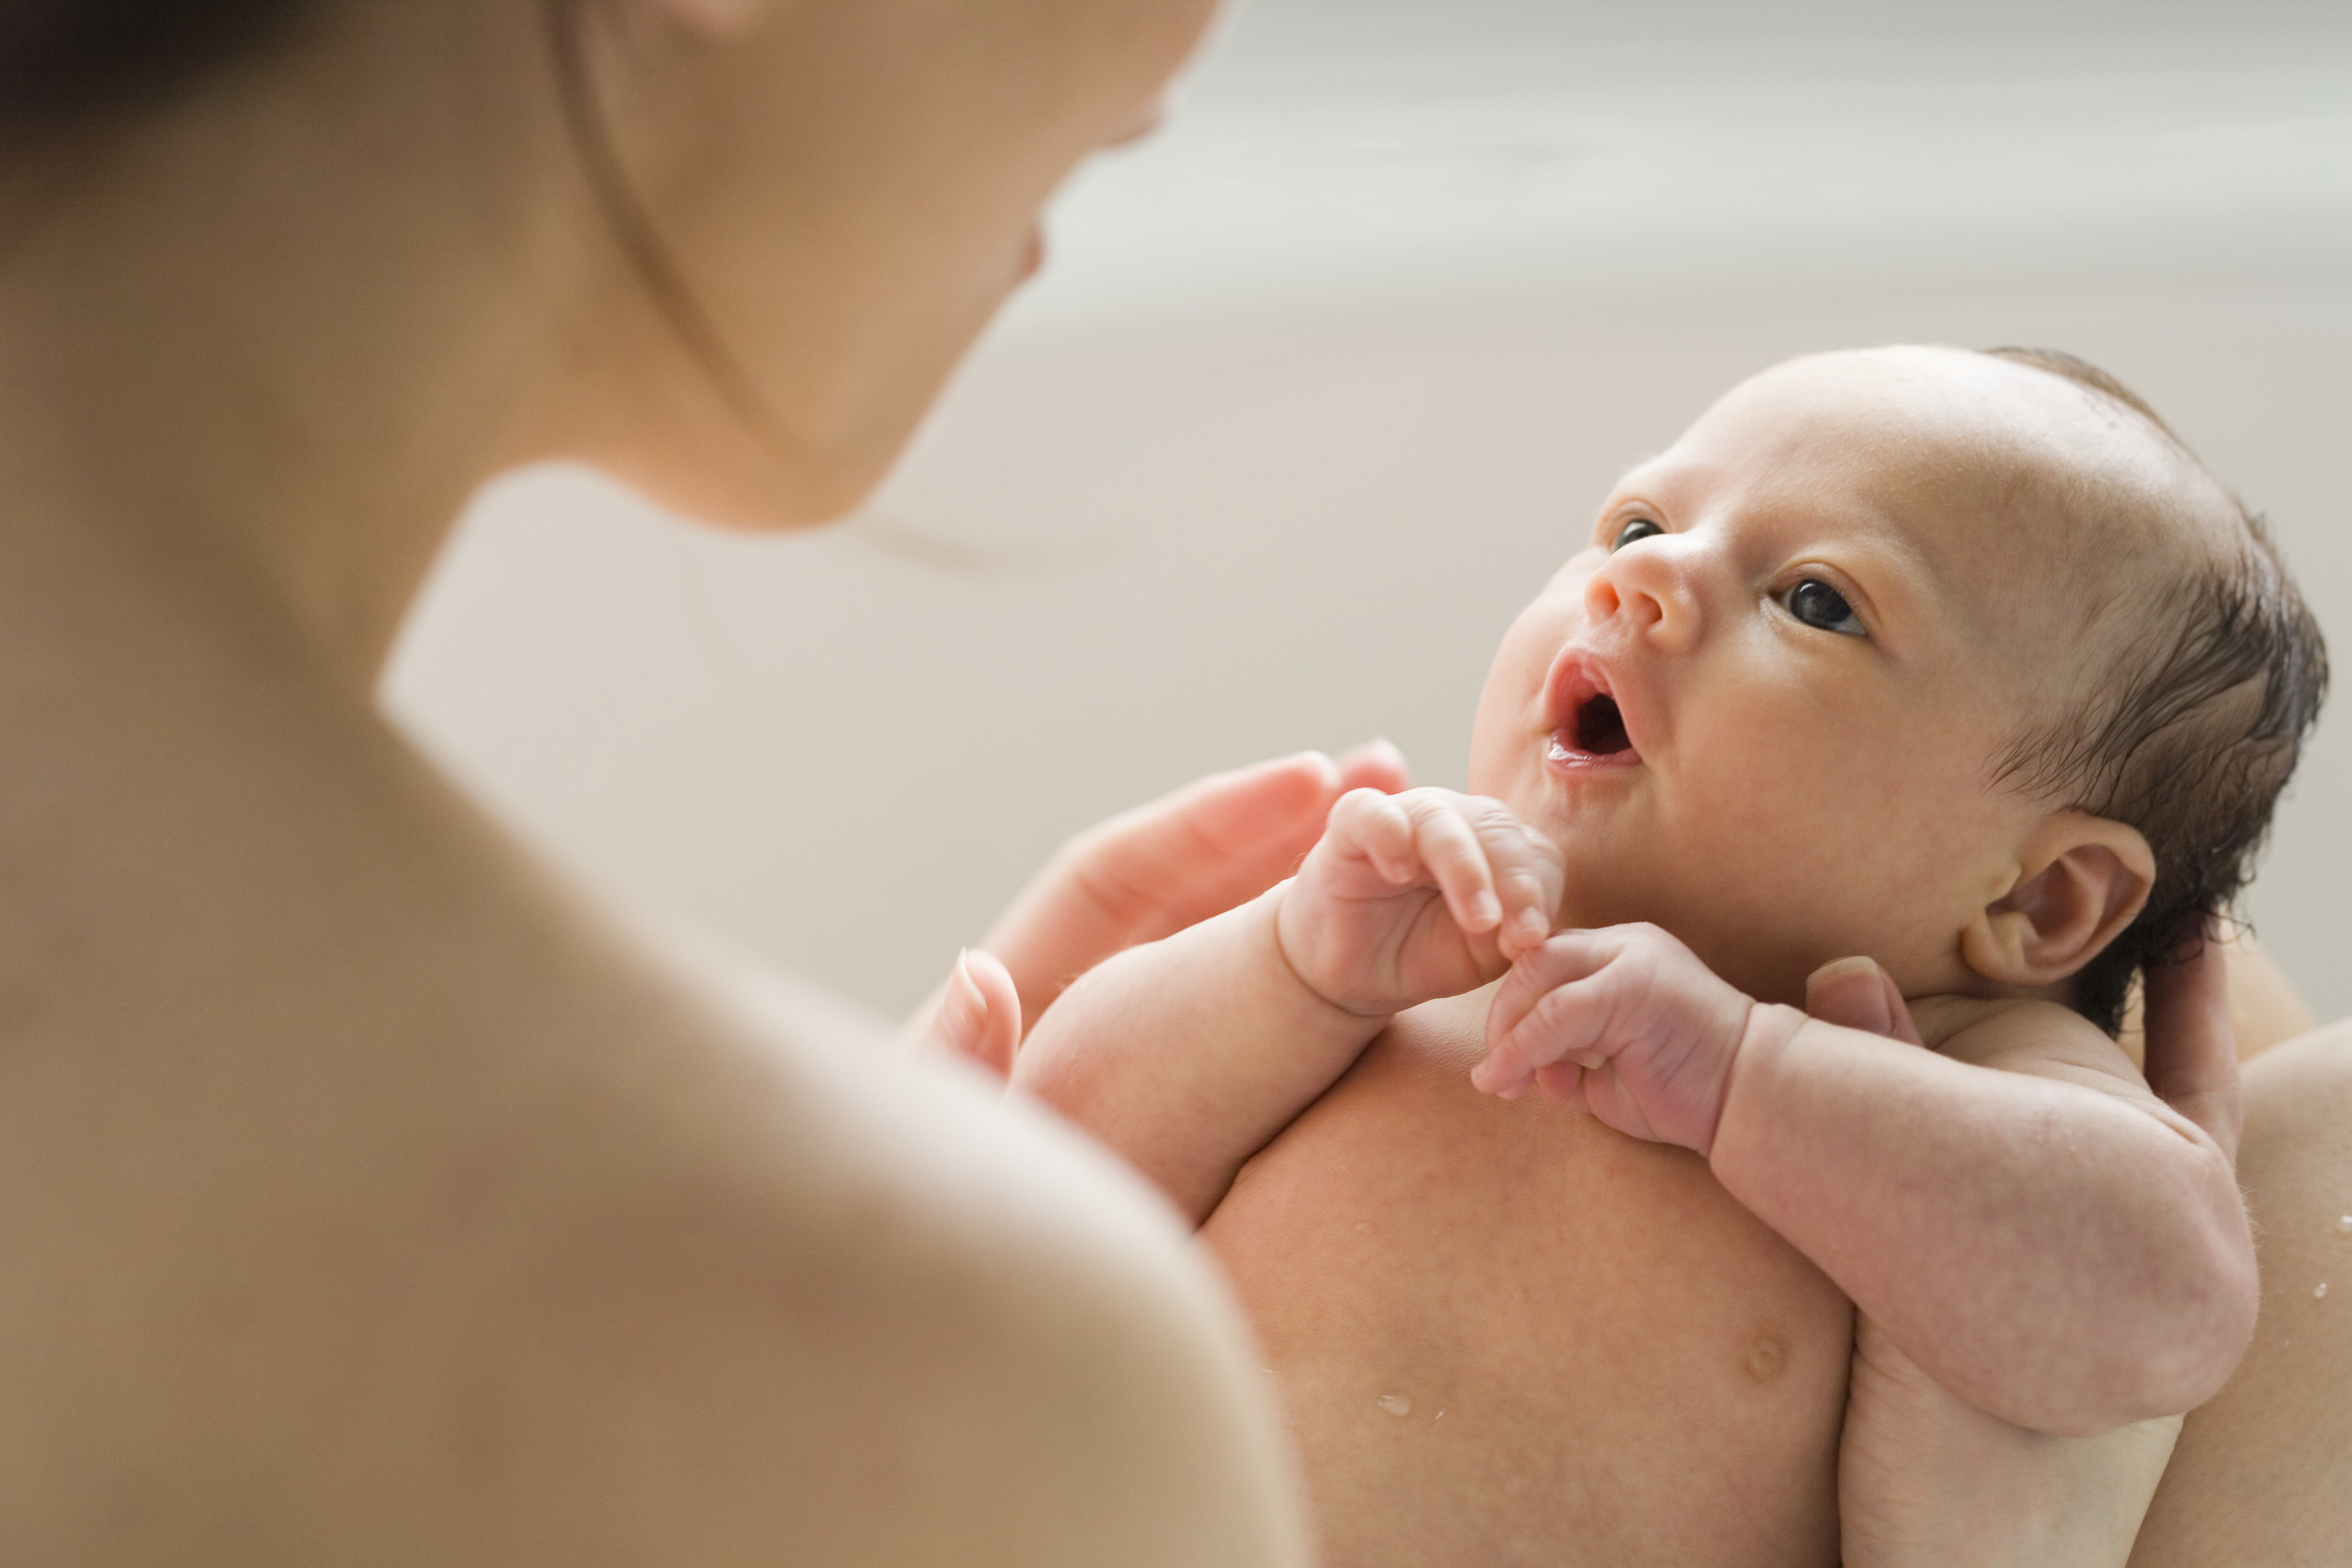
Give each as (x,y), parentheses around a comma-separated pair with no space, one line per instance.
(1762,707)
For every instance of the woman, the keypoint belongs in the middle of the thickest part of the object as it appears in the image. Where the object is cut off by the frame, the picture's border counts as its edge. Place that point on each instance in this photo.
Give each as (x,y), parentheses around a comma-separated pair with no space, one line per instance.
(2259,1473)
(369,1197)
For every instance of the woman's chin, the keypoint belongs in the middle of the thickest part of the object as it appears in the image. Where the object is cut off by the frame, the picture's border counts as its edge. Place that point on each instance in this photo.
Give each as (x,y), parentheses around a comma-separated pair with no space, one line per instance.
(741,487)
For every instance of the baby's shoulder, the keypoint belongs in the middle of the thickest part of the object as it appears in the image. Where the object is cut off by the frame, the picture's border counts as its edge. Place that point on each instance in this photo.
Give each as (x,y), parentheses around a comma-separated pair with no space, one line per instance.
(2024,1034)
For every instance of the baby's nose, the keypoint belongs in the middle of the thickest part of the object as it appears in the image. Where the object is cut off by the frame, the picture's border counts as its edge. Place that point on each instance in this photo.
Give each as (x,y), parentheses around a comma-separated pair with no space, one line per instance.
(1644,587)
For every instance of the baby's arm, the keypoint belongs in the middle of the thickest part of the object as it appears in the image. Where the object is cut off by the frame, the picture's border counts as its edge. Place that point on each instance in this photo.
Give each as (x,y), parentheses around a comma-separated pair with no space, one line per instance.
(1187,1053)
(2020,1214)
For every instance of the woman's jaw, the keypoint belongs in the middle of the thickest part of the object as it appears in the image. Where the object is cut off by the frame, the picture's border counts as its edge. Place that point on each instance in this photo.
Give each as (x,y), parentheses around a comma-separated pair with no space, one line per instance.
(847,192)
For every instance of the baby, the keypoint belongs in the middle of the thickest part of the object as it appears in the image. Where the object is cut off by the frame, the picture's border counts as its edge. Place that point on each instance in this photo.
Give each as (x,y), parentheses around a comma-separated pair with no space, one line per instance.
(1958,661)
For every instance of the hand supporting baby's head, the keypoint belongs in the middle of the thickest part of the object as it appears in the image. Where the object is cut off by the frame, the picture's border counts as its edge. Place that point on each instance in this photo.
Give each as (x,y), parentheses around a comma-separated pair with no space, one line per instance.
(1960,660)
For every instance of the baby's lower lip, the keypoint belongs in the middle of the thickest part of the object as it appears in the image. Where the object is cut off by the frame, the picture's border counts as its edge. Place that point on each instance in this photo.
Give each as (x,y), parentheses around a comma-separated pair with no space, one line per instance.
(1562,752)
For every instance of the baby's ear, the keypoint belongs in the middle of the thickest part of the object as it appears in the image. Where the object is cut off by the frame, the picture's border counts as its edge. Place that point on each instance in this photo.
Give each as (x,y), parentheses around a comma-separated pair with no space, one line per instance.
(2082,880)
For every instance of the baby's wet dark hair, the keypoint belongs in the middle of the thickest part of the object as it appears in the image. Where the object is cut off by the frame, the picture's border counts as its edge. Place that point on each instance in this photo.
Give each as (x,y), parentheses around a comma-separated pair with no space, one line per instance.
(2193,734)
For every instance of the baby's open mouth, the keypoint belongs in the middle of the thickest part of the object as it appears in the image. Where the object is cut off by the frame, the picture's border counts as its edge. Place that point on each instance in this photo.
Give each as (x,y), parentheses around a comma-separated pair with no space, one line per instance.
(1591,730)
(1600,729)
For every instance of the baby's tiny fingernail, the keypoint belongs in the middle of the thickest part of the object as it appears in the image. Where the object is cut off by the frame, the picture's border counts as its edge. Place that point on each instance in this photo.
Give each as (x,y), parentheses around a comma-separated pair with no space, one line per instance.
(1532,924)
(1486,912)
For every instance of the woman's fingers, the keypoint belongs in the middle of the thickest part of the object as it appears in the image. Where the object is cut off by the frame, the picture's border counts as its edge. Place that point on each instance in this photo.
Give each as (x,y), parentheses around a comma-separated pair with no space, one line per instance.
(975,1017)
(1375,764)
(980,1019)
(2193,1052)
(1205,847)
(1152,872)
(1856,994)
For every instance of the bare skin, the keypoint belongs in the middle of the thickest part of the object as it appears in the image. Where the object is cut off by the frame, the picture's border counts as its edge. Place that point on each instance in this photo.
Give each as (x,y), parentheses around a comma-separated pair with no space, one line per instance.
(372,1197)
(2093,1276)
(1636,1364)
(2258,1475)
(1923,1479)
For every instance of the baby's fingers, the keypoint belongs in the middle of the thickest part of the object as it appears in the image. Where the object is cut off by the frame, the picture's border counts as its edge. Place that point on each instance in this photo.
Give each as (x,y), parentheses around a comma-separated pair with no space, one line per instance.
(1530,876)
(1456,857)
(1540,1015)
(1562,1081)
(1569,1025)
(1565,958)
(1375,825)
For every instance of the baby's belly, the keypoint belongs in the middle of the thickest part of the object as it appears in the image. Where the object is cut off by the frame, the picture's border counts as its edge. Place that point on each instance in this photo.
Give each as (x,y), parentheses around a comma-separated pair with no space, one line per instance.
(1506,1334)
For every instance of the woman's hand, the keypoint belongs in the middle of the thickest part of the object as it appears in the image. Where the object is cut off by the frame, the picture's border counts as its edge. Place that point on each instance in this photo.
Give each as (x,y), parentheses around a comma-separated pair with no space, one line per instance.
(1143,874)
(1927,1479)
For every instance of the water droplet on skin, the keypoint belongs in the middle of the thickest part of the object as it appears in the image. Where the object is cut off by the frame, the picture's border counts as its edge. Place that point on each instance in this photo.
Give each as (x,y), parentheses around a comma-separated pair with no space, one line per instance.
(1363,1228)
(2344,1225)
(1397,1404)
(2319,1291)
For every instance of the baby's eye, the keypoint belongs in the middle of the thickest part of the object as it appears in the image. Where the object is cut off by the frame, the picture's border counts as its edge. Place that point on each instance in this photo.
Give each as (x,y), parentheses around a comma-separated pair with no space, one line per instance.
(1817,603)
(1641,528)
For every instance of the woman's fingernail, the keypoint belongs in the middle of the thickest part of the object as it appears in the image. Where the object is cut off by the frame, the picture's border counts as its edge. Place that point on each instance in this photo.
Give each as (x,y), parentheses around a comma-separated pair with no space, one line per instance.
(965,1000)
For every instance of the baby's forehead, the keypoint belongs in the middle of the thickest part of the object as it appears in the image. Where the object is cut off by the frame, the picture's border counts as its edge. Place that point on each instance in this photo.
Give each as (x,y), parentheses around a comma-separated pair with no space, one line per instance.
(2009,485)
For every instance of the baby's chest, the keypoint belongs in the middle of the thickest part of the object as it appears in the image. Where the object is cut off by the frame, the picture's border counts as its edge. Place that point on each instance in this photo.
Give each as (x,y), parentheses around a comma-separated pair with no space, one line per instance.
(1501,1327)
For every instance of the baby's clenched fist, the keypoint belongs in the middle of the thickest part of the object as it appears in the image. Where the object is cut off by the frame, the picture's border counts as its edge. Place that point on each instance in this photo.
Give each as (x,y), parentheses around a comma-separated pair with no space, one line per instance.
(1411,897)
(1625,1020)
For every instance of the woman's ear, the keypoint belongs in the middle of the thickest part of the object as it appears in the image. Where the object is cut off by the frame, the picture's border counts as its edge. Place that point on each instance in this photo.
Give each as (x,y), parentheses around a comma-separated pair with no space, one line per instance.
(2081,882)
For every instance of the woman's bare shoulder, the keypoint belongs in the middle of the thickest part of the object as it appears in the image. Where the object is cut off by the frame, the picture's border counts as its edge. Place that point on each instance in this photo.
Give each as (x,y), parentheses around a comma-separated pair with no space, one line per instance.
(890,1317)
(2258,1477)
(566,1254)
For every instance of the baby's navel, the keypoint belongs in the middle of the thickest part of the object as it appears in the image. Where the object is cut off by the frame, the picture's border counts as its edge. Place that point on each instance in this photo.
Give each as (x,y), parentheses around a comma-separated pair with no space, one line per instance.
(1766,1357)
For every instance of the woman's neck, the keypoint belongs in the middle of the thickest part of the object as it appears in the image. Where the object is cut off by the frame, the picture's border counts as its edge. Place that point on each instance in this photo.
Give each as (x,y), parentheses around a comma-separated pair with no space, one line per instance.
(255,371)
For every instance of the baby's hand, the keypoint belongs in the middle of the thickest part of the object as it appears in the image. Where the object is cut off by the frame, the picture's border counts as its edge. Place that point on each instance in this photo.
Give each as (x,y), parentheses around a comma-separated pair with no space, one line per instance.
(1416,896)
(1625,1019)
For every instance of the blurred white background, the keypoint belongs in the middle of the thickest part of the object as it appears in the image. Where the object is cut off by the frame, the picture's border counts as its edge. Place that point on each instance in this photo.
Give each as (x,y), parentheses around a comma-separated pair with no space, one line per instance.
(1323,382)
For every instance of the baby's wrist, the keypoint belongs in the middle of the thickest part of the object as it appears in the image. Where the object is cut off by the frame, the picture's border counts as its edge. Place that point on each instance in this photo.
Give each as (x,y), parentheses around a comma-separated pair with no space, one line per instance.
(1274,901)
(1765,1036)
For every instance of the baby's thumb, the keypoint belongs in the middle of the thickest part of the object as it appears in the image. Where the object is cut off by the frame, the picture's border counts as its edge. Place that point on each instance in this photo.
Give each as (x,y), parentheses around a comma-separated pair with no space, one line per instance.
(1855,994)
